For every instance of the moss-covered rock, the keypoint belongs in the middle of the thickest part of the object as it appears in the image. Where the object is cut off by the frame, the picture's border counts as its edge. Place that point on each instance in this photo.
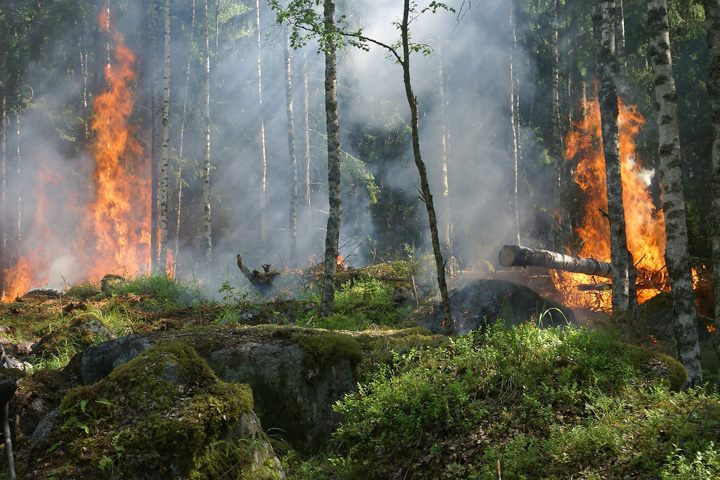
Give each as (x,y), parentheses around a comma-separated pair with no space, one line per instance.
(157,416)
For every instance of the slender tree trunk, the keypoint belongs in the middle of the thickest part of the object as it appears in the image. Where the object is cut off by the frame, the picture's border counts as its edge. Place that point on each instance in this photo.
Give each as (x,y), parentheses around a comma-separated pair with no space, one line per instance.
(3,170)
(620,48)
(557,147)
(605,64)
(179,179)
(445,163)
(514,140)
(424,185)
(712,16)
(165,154)
(155,139)
(291,151)
(677,257)
(332,237)
(306,132)
(207,216)
(261,131)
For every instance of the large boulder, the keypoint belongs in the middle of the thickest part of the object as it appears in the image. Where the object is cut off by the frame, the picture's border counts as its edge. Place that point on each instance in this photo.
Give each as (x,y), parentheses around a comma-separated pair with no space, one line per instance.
(164,414)
(296,374)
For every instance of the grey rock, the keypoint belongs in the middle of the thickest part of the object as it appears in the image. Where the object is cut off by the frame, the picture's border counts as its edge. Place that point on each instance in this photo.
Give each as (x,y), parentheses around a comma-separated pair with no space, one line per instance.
(97,361)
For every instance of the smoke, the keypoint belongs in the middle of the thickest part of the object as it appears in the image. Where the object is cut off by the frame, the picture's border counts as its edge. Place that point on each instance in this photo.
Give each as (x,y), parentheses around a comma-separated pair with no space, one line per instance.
(472,46)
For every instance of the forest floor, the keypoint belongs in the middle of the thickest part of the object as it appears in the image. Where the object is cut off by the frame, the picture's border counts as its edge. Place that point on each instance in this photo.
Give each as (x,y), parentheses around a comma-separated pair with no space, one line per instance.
(519,402)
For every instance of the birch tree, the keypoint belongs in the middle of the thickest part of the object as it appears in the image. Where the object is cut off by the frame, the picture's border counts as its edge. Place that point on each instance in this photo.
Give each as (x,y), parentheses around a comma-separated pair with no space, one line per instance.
(207,214)
(181,139)
(604,31)
(165,154)
(712,16)
(677,257)
(292,227)
(261,130)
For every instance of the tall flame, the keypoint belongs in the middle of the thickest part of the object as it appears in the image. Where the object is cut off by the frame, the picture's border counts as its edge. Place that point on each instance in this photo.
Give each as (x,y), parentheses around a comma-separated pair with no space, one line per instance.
(645,224)
(111,234)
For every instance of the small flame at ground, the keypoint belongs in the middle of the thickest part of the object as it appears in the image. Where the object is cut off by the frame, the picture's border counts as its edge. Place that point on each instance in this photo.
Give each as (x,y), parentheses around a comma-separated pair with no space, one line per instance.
(111,235)
(645,223)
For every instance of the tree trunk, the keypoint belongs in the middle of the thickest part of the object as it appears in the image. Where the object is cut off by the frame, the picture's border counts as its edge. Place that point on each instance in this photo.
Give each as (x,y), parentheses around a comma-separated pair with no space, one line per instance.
(424,185)
(712,15)
(3,149)
(165,158)
(333,146)
(445,164)
(207,244)
(514,132)
(517,256)
(605,64)
(558,219)
(677,257)
(261,131)
(620,48)
(179,179)
(291,151)
(154,139)
(306,132)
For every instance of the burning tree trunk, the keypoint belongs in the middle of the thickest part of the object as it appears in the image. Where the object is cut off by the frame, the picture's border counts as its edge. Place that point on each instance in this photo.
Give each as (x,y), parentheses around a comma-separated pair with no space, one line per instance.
(712,15)
(603,26)
(206,121)
(333,143)
(677,257)
(163,188)
(291,150)
(517,256)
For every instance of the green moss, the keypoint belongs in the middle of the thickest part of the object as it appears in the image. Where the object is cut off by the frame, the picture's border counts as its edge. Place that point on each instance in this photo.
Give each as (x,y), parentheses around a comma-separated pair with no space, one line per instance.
(658,365)
(321,348)
(165,407)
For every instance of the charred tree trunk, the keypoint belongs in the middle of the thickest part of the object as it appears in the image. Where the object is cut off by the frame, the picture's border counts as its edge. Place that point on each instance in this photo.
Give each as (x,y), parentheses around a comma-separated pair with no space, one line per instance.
(333,145)
(291,151)
(620,48)
(677,256)
(165,158)
(261,130)
(3,149)
(207,244)
(604,31)
(517,256)
(424,185)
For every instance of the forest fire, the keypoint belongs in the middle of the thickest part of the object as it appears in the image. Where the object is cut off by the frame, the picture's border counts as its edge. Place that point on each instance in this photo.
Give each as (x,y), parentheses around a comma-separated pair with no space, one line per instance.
(645,223)
(111,233)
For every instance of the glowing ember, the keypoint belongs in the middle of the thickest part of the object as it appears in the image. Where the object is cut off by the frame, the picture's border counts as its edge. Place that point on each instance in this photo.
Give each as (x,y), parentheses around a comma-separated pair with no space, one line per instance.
(112,234)
(645,224)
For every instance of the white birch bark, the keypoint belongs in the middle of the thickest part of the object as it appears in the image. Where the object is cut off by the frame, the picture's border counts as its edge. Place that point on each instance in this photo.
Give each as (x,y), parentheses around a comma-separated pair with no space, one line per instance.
(207,213)
(165,152)
(677,257)
(261,131)
(291,151)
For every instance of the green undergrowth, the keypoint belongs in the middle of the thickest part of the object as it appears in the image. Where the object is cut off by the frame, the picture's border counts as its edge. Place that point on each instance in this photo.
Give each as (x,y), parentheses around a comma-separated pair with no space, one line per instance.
(541,403)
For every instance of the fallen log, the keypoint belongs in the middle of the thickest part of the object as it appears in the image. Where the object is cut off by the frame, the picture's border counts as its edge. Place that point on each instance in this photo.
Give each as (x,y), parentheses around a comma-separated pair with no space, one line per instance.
(517,256)
(256,277)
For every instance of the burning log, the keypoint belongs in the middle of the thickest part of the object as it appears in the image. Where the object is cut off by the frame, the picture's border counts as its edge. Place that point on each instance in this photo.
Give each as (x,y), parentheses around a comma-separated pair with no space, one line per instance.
(517,256)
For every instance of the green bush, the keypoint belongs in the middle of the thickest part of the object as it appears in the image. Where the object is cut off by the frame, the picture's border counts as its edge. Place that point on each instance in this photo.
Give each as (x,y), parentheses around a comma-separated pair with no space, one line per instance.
(544,403)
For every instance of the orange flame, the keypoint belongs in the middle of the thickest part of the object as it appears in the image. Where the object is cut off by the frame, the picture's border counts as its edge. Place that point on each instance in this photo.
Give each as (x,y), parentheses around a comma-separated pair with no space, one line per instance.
(112,236)
(644,222)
